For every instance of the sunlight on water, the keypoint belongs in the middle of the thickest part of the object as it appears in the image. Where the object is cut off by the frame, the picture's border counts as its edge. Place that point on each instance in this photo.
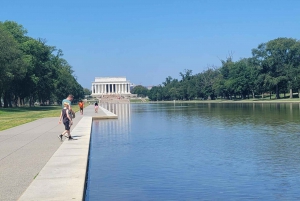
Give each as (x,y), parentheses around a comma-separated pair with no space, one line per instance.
(196,152)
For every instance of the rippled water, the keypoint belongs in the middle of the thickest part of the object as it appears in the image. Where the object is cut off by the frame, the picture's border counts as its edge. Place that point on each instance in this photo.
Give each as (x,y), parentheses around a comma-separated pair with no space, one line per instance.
(196,152)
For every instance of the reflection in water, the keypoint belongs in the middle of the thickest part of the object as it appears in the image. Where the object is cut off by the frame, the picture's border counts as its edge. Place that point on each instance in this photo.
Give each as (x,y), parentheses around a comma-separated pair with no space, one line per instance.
(122,125)
(196,152)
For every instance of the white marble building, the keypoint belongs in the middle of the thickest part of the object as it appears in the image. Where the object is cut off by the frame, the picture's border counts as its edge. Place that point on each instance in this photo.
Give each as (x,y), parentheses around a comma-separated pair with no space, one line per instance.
(110,85)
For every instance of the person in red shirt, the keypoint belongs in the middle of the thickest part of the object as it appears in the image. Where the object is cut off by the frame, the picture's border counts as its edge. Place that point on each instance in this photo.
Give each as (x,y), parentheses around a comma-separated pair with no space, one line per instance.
(81,105)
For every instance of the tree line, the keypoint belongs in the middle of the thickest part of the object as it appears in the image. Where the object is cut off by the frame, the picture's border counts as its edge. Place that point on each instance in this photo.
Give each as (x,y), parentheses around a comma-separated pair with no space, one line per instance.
(32,71)
(273,68)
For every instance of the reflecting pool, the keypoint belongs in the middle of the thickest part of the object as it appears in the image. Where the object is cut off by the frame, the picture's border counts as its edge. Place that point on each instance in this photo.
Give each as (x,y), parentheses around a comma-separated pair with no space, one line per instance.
(196,152)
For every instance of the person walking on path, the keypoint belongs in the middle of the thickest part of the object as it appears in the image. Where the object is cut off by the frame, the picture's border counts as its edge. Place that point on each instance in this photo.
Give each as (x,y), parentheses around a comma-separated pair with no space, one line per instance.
(69,100)
(64,115)
(96,107)
(71,113)
(81,105)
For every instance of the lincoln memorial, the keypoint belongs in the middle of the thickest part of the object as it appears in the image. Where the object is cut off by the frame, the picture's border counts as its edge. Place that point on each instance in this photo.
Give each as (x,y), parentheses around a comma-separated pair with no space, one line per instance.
(110,86)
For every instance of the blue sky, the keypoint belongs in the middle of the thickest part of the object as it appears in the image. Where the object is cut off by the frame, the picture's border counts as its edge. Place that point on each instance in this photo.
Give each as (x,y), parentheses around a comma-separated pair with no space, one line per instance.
(147,41)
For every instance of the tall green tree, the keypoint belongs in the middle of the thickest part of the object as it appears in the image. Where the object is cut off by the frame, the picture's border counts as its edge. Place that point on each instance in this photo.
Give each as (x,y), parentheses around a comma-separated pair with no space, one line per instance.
(276,56)
(11,65)
(140,90)
(31,70)
(87,92)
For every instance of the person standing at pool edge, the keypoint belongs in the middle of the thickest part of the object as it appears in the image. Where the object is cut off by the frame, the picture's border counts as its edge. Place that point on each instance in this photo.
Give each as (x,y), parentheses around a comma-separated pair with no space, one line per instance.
(80,104)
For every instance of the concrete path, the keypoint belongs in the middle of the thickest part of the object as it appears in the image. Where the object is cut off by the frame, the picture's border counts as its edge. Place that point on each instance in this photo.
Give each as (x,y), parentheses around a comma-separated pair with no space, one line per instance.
(25,149)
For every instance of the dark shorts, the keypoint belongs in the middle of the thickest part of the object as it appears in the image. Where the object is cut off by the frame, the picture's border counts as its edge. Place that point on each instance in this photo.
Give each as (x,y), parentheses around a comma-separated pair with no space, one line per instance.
(81,109)
(67,125)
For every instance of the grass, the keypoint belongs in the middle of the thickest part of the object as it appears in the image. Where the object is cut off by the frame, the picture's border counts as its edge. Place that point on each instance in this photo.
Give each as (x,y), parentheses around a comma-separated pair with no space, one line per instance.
(257,99)
(251,100)
(11,117)
(138,100)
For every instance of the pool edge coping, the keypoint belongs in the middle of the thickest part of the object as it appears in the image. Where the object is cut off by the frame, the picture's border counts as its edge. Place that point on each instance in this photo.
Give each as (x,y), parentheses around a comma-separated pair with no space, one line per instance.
(66,179)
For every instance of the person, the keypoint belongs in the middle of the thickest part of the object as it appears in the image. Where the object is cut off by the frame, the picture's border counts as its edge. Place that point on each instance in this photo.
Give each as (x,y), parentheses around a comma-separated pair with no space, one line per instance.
(96,107)
(67,120)
(69,100)
(81,105)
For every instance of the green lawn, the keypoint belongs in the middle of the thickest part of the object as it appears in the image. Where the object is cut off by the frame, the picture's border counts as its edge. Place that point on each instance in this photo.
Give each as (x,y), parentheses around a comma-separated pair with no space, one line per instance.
(11,117)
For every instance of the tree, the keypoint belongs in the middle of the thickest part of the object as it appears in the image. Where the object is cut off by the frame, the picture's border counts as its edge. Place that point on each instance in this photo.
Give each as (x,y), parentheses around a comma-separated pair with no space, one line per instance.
(11,65)
(30,71)
(140,90)
(155,93)
(206,81)
(275,58)
(40,75)
(87,92)
(16,30)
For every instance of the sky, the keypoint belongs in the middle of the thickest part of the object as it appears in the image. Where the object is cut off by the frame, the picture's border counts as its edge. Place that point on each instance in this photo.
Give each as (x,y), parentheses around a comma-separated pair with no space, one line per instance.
(149,40)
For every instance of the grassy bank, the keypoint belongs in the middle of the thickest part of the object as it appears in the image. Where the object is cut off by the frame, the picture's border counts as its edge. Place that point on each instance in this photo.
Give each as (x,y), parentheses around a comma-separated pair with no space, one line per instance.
(287,100)
(11,117)
(138,100)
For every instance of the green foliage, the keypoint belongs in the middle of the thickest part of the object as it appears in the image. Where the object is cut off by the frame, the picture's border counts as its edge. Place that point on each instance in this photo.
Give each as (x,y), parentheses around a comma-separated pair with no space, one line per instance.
(140,91)
(30,70)
(274,68)
(279,60)
(87,92)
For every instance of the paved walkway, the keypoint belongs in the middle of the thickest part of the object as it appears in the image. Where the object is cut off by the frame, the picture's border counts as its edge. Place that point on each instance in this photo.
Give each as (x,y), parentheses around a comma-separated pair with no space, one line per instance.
(25,149)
